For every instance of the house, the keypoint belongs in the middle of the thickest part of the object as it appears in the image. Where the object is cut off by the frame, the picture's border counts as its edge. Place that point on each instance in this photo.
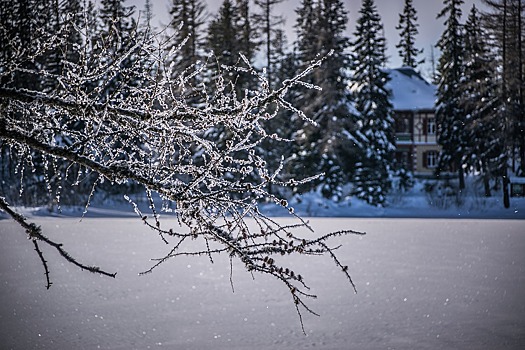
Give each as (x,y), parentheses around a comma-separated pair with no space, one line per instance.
(413,99)
(517,186)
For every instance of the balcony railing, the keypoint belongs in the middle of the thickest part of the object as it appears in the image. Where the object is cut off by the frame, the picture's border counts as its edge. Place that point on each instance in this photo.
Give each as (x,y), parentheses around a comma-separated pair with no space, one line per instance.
(403,137)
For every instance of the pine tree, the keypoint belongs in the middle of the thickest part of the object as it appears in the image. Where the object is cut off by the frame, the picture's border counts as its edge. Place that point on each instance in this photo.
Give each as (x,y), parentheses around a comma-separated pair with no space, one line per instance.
(48,22)
(306,30)
(72,16)
(269,24)
(375,133)
(145,60)
(248,38)
(449,115)
(248,45)
(325,148)
(407,31)
(25,26)
(305,51)
(187,20)
(504,21)
(479,100)
(222,35)
(231,35)
(222,41)
(117,27)
(282,66)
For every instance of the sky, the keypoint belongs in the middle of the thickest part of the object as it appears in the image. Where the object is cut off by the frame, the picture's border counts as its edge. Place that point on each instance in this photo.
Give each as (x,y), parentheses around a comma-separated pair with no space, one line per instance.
(430,28)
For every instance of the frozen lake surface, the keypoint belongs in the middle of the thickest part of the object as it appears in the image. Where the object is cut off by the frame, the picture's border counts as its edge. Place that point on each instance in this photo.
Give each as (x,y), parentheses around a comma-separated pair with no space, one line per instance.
(422,284)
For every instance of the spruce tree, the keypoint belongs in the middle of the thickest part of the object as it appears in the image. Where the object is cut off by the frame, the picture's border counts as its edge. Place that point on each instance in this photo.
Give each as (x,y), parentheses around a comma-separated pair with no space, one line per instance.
(28,24)
(47,21)
(248,36)
(222,35)
(479,100)
(187,21)
(230,35)
(504,21)
(306,30)
(116,32)
(375,132)
(272,35)
(18,31)
(72,16)
(282,66)
(222,41)
(407,27)
(449,114)
(325,148)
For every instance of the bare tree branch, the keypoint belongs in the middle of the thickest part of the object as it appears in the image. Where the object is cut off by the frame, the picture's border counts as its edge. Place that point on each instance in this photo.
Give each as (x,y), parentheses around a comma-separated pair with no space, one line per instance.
(34,232)
(203,156)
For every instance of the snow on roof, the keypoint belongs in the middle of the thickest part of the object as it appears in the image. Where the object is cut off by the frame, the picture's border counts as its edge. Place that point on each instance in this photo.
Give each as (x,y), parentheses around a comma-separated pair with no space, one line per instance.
(410,91)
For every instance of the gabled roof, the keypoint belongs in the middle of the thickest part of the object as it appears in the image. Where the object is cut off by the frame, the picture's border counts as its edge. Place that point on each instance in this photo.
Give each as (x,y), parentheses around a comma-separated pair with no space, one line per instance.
(410,91)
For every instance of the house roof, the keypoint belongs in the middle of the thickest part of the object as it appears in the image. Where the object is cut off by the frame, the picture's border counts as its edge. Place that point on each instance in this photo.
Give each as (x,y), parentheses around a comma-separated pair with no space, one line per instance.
(410,91)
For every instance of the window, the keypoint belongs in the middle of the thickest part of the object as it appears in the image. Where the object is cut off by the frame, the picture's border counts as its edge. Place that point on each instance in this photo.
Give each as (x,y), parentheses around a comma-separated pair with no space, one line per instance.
(402,125)
(431,158)
(431,126)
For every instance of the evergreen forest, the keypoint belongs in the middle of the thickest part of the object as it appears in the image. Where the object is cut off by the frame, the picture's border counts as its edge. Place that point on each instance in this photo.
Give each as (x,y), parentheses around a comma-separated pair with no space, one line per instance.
(337,135)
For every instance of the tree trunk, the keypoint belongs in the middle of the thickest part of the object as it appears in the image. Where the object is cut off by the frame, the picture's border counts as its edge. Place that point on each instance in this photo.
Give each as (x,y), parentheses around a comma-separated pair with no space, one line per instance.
(521,118)
(486,183)
(506,198)
(461,176)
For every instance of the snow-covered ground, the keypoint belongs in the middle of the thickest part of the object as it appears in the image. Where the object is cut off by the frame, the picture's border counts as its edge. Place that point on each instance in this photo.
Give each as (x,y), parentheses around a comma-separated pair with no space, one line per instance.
(416,202)
(422,284)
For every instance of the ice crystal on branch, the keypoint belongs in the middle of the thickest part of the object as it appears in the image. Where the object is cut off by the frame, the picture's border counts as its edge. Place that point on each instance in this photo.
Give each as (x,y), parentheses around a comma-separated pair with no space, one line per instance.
(122,115)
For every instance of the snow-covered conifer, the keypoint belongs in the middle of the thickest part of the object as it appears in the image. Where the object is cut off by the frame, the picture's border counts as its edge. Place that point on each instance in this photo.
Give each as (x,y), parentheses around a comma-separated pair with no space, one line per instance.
(117,27)
(231,40)
(375,131)
(408,31)
(187,43)
(504,21)
(269,26)
(479,99)
(325,149)
(449,114)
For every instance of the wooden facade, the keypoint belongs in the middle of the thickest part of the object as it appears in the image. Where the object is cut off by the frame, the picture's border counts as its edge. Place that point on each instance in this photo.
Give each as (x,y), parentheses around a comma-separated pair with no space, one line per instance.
(416,141)
(413,100)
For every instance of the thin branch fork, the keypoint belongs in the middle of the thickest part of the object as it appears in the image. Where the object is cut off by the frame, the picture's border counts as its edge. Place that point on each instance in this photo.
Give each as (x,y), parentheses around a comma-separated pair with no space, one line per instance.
(34,233)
